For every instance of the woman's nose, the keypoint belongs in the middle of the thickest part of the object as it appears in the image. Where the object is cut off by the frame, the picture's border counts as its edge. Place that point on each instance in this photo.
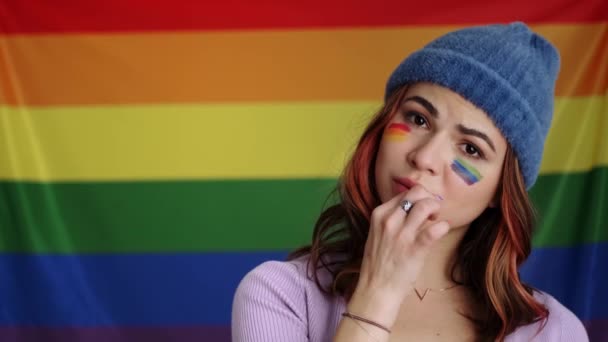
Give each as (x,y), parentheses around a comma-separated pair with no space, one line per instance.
(427,155)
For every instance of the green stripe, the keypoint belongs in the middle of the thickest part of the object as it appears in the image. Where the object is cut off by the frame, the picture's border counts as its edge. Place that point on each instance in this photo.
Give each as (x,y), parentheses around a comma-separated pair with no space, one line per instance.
(573,208)
(191,216)
(469,168)
(159,216)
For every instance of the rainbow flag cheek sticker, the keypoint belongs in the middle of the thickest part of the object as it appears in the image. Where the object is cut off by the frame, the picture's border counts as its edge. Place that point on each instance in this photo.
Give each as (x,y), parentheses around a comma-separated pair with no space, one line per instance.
(467,172)
(397,132)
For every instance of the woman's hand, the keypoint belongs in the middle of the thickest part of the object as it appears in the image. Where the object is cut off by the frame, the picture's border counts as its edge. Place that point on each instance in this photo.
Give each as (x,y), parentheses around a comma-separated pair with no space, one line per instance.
(396,248)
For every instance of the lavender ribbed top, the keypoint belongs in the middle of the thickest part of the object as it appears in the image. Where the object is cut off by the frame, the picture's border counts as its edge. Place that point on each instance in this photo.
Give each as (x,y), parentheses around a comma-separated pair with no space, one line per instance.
(276,301)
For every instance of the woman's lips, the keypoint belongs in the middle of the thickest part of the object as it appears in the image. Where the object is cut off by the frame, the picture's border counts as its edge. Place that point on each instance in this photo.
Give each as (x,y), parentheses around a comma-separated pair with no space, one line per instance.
(402,184)
(399,188)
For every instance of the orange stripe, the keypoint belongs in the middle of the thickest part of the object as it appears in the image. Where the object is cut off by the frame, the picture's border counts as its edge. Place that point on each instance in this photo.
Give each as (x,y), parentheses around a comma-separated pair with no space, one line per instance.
(347,65)
(396,131)
(584,60)
(396,137)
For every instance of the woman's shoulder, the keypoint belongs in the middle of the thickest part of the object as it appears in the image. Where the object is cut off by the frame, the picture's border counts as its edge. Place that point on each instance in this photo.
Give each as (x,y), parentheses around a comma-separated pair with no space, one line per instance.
(561,324)
(280,300)
(290,275)
(288,281)
(561,318)
(274,281)
(295,273)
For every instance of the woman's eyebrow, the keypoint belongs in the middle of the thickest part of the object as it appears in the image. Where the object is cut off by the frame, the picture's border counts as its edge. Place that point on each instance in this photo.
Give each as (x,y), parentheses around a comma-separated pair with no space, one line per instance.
(474,132)
(435,114)
(424,103)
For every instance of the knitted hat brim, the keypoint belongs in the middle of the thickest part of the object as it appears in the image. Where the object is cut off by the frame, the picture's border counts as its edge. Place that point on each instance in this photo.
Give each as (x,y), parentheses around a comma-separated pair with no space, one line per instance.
(472,80)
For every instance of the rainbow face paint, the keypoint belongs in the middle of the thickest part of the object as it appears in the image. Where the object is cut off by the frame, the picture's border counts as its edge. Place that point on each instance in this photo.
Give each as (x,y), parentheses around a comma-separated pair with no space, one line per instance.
(467,172)
(397,132)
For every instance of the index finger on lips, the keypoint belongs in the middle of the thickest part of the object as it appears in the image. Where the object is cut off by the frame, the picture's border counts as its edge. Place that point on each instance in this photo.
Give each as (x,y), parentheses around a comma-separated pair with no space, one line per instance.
(413,195)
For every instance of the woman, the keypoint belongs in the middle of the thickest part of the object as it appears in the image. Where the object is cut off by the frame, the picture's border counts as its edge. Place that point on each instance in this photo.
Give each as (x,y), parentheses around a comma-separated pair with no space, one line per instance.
(433,217)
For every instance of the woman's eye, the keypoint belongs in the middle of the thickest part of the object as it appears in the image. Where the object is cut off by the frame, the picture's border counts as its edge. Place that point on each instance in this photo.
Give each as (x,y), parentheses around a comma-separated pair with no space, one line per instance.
(472,151)
(416,118)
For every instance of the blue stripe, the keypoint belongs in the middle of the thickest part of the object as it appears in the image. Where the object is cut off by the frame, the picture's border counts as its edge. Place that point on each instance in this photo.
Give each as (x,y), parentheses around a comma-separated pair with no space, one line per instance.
(463,171)
(166,289)
(147,289)
(576,276)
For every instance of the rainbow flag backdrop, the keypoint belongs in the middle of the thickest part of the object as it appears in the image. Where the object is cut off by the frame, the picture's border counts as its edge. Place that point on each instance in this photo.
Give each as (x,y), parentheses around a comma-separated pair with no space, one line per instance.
(153,152)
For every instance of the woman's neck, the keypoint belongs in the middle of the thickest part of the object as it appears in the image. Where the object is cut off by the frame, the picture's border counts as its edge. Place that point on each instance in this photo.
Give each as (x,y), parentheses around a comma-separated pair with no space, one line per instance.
(436,272)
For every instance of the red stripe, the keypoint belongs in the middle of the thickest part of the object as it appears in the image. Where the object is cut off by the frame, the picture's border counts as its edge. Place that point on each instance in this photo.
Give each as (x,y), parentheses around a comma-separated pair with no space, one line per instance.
(32,16)
(399,126)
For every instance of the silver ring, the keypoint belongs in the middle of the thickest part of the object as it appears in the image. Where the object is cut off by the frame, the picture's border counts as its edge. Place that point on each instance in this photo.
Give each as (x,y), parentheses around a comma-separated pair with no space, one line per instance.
(407,206)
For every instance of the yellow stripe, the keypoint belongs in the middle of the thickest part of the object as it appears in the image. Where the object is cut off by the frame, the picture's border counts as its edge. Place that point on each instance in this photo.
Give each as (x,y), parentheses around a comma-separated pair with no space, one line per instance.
(394,137)
(398,131)
(577,139)
(178,141)
(267,66)
(291,140)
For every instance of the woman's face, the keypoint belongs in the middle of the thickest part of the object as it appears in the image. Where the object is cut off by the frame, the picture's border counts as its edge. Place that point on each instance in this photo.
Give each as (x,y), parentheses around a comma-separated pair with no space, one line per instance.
(443,142)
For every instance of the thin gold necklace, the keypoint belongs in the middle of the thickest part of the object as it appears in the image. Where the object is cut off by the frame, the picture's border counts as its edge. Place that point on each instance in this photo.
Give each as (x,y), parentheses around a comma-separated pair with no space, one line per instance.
(427,290)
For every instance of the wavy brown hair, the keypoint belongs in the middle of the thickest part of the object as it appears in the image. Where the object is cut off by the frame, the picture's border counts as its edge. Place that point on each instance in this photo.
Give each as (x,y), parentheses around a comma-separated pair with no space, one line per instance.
(493,248)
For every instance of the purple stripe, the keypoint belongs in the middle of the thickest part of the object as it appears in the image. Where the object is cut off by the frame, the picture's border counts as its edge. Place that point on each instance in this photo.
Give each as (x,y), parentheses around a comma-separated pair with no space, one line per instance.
(597,329)
(116,334)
